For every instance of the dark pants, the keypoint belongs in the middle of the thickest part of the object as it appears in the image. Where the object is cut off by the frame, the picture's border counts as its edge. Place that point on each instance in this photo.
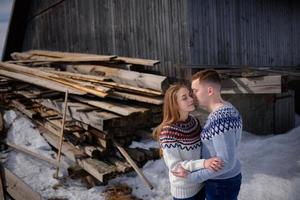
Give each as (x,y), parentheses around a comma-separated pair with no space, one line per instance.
(199,196)
(226,189)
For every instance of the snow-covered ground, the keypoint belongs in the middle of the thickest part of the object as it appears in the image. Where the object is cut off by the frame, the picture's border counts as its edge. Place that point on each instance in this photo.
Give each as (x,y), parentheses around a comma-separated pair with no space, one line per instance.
(271,167)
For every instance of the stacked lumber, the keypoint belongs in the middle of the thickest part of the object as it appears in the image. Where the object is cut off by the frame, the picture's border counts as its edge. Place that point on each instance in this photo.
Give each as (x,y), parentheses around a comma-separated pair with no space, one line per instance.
(5,89)
(250,81)
(107,105)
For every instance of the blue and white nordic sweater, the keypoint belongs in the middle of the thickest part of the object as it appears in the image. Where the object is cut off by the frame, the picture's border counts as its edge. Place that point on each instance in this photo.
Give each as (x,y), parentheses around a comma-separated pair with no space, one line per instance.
(181,145)
(220,137)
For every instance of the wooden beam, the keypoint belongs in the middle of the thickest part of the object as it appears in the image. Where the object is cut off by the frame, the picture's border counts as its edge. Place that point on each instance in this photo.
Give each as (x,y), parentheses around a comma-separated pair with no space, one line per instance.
(56,56)
(137,61)
(263,84)
(122,166)
(100,170)
(118,108)
(95,86)
(75,84)
(252,90)
(60,54)
(132,78)
(135,97)
(100,120)
(133,89)
(97,168)
(18,189)
(22,108)
(2,192)
(41,82)
(105,81)
(49,76)
(62,128)
(32,154)
(67,149)
(132,163)
(78,76)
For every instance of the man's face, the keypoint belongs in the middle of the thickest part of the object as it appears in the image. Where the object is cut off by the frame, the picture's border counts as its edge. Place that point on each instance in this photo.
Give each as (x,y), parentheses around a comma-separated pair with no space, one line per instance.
(200,92)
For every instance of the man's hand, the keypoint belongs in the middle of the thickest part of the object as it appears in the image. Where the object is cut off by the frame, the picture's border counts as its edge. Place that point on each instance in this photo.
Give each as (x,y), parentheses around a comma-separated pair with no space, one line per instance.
(214,164)
(180,171)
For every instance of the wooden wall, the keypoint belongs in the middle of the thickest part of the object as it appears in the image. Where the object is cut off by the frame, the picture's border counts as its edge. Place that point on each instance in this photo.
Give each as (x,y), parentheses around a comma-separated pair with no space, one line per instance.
(177,32)
(252,32)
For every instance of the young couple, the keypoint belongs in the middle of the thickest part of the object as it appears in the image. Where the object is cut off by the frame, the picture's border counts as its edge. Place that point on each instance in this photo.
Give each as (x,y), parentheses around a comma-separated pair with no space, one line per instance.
(202,162)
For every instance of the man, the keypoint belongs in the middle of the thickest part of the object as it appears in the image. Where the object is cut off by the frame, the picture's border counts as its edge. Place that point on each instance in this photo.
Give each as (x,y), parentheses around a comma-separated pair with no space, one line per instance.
(220,137)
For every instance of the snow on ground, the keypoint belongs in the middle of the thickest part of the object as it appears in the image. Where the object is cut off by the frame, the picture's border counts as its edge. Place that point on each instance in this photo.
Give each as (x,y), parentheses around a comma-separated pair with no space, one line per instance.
(271,167)
(146,144)
(38,174)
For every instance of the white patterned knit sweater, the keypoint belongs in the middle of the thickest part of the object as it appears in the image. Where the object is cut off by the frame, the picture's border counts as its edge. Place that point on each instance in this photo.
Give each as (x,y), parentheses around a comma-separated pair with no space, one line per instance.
(181,144)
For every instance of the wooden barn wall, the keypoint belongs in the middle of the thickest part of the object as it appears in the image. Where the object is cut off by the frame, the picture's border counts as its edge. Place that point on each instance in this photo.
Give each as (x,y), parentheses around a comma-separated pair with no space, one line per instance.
(251,32)
(176,32)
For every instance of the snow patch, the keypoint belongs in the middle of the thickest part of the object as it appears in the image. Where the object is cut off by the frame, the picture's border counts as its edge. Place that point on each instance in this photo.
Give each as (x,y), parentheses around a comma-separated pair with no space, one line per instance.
(146,144)
(270,167)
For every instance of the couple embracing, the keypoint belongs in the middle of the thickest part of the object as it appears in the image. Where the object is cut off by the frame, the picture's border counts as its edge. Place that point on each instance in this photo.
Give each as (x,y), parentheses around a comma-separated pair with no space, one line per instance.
(202,161)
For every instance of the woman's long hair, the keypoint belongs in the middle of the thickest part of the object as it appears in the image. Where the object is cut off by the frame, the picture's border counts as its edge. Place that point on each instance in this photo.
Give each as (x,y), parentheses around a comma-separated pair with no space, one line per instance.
(170,108)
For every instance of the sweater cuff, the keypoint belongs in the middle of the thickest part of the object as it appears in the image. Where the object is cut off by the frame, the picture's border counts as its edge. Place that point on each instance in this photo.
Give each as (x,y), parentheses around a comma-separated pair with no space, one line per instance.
(193,165)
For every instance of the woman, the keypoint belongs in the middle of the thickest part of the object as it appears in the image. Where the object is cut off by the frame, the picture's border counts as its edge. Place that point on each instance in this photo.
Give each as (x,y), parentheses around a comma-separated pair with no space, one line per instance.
(179,137)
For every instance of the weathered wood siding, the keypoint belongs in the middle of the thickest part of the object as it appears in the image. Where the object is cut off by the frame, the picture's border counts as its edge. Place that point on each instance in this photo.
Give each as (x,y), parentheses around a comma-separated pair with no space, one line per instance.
(177,32)
(252,32)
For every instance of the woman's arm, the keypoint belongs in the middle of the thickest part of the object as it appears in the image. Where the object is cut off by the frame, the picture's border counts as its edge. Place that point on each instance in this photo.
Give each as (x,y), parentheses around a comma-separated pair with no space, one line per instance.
(171,157)
(213,164)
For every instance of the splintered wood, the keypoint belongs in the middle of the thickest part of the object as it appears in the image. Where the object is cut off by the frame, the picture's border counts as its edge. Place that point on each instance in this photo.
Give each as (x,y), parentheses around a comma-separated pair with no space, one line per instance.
(106,103)
(119,192)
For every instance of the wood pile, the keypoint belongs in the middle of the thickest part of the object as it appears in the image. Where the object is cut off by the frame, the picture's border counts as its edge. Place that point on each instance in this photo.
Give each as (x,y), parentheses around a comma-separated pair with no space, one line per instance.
(250,81)
(107,104)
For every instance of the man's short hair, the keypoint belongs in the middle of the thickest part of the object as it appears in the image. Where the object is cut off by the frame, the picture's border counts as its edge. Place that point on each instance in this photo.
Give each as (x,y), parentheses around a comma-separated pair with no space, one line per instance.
(208,76)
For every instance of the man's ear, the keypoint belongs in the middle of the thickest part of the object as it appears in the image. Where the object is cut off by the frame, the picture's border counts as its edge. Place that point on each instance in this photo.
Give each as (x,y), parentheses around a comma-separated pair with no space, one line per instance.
(210,91)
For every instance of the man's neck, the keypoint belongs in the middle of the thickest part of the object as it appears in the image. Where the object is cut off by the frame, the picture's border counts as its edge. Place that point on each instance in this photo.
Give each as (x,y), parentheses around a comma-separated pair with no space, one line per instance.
(215,104)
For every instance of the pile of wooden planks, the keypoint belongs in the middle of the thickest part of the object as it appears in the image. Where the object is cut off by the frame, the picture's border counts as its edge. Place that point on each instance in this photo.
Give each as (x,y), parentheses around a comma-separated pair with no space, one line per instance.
(106,103)
(249,81)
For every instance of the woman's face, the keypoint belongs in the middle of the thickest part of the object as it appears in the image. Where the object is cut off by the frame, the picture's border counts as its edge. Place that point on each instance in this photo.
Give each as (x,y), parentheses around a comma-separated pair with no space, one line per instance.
(185,100)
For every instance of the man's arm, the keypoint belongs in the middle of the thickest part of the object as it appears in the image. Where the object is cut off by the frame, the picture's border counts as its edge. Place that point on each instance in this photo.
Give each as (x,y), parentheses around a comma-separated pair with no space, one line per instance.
(225,147)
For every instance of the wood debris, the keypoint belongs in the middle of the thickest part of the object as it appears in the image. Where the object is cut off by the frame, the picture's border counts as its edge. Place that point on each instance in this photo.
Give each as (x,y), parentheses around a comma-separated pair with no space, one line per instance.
(119,192)
(106,103)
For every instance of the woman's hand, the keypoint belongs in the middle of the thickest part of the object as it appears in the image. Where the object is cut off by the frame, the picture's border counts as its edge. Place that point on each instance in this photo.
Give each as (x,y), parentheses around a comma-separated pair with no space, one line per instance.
(179,171)
(213,164)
